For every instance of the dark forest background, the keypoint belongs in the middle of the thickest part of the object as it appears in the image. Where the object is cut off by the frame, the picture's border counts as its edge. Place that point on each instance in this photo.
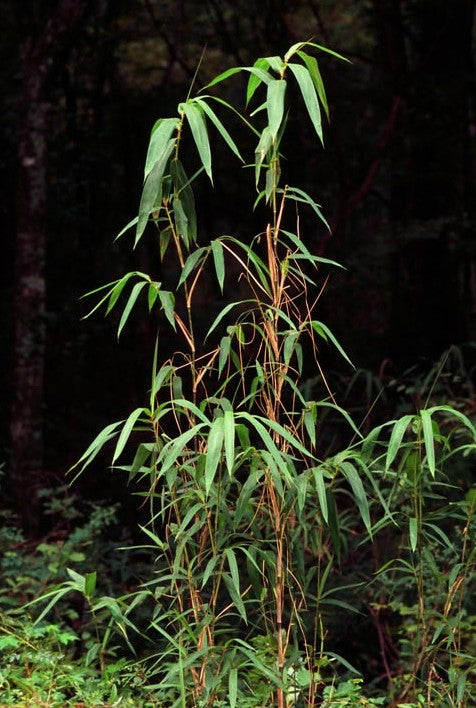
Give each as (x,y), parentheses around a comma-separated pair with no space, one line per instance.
(83,81)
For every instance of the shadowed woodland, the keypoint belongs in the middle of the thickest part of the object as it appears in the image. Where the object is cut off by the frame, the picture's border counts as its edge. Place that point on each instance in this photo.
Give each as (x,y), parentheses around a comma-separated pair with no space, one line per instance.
(298,502)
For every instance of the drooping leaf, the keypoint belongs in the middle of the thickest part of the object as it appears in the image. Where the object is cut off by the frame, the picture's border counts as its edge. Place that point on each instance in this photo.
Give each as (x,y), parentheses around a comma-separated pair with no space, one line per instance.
(321,492)
(135,292)
(198,127)
(396,438)
(315,74)
(160,136)
(413,533)
(309,95)
(218,125)
(229,438)
(352,476)
(219,261)
(265,142)
(324,332)
(184,193)
(214,452)
(276,91)
(225,344)
(167,301)
(428,439)
(152,191)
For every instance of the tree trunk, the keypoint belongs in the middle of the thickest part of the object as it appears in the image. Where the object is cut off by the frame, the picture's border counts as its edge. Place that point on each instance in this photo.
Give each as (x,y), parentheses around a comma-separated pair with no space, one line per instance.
(38,59)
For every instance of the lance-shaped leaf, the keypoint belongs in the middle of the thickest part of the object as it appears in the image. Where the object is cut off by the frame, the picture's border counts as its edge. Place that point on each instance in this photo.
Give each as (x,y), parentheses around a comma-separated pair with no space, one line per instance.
(275,105)
(315,74)
(198,127)
(229,437)
(318,475)
(352,476)
(219,261)
(396,438)
(130,304)
(126,432)
(184,192)
(167,301)
(152,190)
(218,125)
(214,452)
(324,332)
(160,136)
(261,152)
(428,439)
(309,95)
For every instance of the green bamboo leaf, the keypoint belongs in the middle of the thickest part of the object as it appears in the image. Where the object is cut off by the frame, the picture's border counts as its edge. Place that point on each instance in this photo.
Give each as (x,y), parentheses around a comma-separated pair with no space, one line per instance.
(233,566)
(152,294)
(152,191)
(115,292)
(184,202)
(163,376)
(135,292)
(225,344)
(428,439)
(181,220)
(413,533)
(214,452)
(343,412)
(167,301)
(181,404)
(396,438)
(126,431)
(198,127)
(210,567)
(219,261)
(99,441)
(455,413)
(289,345)
(301,488)
(333,521)
(315,74)
(218,125)
(160,136)
(236,597)
(158,541)
(229,437)
(233,687)
(265,142)
(321,492)
(309,95)
(293,50)
(224,313)
(190,264)
(264,670)
(224,75)
(258,75)
(352,476)
(126,228)
(328,51)
(176,447)
(299,195)
(286,435)
(324,332)
(191,513)
(275,105)
(90,584)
